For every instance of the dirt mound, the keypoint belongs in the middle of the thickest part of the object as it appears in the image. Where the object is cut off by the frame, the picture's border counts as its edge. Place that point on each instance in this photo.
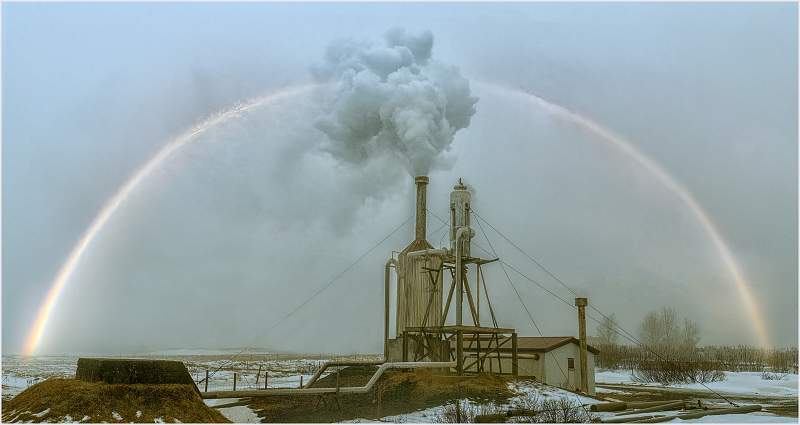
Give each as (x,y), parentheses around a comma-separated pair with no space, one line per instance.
(68,400)
(397,392)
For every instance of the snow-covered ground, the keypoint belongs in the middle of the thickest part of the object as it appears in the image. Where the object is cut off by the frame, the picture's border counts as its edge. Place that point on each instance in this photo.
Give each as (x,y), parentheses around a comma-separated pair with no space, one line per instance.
(20,372)
(734,383)
(236,414)
(523,389)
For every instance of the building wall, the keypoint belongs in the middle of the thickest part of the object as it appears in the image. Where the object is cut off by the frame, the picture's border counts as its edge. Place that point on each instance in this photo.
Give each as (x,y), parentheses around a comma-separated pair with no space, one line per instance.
(556,367)
(527,367)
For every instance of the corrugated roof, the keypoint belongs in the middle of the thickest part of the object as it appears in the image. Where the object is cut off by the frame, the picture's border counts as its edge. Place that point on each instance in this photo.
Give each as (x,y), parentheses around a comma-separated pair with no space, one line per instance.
(548,343)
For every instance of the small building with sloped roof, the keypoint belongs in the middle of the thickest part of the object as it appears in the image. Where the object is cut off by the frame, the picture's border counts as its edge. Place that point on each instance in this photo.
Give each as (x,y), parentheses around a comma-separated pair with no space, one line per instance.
(553,360)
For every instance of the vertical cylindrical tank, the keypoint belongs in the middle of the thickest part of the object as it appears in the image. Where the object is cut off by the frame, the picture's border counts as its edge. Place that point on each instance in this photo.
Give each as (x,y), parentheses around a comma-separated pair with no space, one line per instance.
(419,298)
(459,215)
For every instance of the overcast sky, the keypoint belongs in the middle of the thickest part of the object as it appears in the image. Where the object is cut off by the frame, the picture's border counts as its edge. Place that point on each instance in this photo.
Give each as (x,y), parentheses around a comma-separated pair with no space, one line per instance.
(248,221)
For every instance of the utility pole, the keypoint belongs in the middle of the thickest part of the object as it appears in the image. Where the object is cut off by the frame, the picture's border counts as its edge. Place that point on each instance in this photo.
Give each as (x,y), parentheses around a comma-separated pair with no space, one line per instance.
(581,304)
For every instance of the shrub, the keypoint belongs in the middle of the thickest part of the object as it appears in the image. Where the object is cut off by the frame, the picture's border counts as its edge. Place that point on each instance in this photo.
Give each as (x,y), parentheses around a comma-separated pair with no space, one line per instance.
(772,376)
(528,410)
(459,413)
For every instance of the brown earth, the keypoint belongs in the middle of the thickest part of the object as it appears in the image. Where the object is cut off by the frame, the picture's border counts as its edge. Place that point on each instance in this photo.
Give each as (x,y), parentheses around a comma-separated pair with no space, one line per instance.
(397,392)
(78,399)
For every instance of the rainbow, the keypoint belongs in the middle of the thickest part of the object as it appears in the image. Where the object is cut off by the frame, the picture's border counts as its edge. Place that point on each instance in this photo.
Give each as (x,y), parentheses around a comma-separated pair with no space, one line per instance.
(662,176)
(615,141)
(113,204)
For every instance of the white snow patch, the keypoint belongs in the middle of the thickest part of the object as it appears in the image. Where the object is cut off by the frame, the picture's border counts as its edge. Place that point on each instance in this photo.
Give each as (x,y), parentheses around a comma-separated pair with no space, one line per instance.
(240,415)
(734,383)
(216,401)
(527,389)
(524,389)
(42,413)
(138,413)
(159,420)
(86,418)
(116,416)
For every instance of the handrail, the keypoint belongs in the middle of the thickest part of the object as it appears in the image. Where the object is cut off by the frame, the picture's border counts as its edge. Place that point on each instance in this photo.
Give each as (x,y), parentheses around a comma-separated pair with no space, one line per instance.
(339,363)
(316,391)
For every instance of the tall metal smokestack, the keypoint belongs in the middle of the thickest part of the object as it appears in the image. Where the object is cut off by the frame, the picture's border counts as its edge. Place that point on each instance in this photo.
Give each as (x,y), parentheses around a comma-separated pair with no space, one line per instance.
(422,194)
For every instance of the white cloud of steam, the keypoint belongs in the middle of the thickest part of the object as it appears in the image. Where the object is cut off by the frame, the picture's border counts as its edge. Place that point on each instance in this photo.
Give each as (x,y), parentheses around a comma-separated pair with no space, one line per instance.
(393,100)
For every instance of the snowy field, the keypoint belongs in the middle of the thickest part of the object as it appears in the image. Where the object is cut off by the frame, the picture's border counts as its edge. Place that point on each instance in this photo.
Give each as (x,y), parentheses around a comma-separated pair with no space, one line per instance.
(286,371)
(734,383)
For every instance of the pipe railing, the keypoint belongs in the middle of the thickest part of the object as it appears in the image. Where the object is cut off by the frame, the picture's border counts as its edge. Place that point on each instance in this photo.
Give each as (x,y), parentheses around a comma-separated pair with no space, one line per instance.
(345,390)
(325,366)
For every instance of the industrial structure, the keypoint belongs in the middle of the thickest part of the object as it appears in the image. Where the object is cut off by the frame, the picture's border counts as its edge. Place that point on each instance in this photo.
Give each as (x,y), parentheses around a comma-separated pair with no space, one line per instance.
(430,281)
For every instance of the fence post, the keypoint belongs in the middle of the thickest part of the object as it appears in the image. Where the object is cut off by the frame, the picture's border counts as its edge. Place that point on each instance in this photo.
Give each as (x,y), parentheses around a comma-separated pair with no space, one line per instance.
(337,381)
(266,376)
(206,380)
(301,381)
(258,374)
(234,381)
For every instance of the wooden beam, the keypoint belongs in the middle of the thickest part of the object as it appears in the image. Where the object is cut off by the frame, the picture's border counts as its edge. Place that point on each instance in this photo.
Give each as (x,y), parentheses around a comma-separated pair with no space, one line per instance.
(514,356)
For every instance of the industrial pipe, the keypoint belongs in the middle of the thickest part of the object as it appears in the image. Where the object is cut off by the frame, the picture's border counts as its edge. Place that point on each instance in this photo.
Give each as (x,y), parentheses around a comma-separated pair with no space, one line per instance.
(391,262)
(422,207)
(464,230)
(430,251)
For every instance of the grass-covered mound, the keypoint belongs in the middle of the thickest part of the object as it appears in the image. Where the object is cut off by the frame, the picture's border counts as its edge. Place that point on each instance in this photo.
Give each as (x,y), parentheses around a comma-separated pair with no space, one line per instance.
(397,392)
(70,400)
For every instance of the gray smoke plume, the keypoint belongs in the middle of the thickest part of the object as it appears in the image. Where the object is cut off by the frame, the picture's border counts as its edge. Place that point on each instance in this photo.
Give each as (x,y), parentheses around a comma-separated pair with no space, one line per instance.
(393,100)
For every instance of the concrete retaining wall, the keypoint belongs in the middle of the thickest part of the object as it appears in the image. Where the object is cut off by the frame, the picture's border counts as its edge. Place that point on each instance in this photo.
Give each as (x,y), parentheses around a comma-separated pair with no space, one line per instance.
(133,371)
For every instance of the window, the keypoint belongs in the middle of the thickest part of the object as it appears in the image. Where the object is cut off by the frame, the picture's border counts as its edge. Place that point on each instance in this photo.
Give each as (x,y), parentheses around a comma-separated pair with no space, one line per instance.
(570,363)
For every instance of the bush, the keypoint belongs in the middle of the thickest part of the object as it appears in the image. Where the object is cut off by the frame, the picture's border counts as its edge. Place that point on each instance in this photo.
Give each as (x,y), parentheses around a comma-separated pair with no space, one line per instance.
(772,376)
(560,410)
(459,413)
(722,358)
(528,410)
(667,372)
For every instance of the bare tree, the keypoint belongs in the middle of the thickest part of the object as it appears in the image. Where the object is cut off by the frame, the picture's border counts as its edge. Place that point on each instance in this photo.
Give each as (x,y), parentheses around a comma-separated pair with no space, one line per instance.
(691,334)
(607,331)
(661,329)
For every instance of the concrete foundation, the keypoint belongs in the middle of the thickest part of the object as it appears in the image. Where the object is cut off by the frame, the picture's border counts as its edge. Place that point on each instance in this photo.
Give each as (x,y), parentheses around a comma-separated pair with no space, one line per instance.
(133,371)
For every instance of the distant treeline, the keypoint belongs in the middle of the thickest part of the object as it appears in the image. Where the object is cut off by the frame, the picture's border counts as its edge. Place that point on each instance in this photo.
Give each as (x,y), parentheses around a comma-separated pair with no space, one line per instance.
(667,351)
(694,364)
